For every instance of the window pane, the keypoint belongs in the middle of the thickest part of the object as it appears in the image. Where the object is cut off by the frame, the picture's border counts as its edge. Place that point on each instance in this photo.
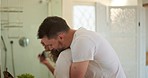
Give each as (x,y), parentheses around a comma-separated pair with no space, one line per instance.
(84,16)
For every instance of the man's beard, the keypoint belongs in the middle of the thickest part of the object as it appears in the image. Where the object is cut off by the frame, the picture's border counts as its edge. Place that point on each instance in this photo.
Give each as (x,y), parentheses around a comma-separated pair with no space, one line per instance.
(56,52)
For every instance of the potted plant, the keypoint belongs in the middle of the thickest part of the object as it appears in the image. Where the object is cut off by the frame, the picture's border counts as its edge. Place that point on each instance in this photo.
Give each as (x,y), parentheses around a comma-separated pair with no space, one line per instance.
(25,75)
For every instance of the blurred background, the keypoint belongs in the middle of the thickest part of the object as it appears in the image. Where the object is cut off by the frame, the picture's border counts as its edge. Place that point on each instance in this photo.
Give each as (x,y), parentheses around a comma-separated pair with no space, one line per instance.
(124,23)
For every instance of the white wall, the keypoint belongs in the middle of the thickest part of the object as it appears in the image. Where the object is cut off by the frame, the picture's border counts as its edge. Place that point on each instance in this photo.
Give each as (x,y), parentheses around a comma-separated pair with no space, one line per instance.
(0,44)
(145,1)
(25,58)
(146,23)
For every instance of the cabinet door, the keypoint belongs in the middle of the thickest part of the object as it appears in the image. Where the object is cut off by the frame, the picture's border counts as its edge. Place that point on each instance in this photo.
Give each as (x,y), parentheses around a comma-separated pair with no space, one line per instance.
(119,25)
(123,34)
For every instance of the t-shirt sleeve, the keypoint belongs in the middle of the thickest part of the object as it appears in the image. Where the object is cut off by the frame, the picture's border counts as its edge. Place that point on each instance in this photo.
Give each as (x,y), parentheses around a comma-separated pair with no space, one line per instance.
(83,49)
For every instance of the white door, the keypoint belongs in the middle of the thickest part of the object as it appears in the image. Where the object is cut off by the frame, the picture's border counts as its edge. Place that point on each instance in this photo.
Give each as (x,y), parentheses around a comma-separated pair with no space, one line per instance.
(120,26)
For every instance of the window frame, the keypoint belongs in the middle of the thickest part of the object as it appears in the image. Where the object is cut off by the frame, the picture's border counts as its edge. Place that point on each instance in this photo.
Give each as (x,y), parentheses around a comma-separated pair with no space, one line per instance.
(91,3)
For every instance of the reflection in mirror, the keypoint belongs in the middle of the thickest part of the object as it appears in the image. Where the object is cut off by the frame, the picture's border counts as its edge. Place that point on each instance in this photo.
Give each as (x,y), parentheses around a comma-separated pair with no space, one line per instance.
(23,41)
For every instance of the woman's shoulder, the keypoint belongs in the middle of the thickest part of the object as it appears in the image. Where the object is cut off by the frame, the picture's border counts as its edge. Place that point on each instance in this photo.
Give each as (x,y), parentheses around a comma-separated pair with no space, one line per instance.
(66,53)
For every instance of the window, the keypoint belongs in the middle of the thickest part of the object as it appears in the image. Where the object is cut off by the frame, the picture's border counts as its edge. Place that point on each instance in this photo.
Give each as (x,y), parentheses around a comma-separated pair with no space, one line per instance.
(84,16)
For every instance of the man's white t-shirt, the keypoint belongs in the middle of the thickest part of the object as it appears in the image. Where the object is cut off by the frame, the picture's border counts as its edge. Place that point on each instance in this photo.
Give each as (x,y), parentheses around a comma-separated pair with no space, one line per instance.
(104,62)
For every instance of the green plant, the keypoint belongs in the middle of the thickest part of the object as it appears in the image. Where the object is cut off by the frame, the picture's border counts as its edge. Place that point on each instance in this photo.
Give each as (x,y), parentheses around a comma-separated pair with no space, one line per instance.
(26,75)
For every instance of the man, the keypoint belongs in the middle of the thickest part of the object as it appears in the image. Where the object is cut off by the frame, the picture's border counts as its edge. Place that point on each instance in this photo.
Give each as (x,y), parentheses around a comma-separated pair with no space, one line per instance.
(92,55)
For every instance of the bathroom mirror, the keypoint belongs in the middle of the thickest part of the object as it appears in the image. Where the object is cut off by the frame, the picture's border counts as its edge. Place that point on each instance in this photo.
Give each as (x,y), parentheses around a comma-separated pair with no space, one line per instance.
(23,41)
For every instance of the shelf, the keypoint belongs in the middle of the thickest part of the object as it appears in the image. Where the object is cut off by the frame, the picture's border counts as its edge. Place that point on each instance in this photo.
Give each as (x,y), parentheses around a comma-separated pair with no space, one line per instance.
(12,25)
(11,9)
(7,22)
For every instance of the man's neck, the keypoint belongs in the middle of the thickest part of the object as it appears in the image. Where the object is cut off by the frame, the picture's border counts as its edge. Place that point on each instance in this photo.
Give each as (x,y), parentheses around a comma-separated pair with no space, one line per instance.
(69,37)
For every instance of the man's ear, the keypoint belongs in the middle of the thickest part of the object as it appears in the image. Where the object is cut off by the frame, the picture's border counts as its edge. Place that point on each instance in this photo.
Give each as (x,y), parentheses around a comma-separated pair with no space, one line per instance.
(61,36)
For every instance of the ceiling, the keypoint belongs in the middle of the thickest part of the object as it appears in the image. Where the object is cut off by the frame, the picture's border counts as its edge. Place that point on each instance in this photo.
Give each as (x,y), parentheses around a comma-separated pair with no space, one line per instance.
(145,1)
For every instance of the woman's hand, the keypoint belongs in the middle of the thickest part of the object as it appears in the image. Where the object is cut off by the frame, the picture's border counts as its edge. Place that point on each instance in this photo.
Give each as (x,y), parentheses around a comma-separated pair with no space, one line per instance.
(43,59)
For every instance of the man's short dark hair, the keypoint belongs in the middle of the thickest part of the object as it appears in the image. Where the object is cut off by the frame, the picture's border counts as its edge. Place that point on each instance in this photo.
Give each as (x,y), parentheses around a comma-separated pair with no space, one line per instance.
(51,26)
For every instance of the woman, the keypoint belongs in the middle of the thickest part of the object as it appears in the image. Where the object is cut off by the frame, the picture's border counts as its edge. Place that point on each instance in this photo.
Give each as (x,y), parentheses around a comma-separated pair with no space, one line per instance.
(62,61)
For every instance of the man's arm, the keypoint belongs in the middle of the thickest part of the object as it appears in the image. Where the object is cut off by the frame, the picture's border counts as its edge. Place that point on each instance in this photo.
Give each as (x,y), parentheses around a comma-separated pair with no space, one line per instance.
(78,69)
